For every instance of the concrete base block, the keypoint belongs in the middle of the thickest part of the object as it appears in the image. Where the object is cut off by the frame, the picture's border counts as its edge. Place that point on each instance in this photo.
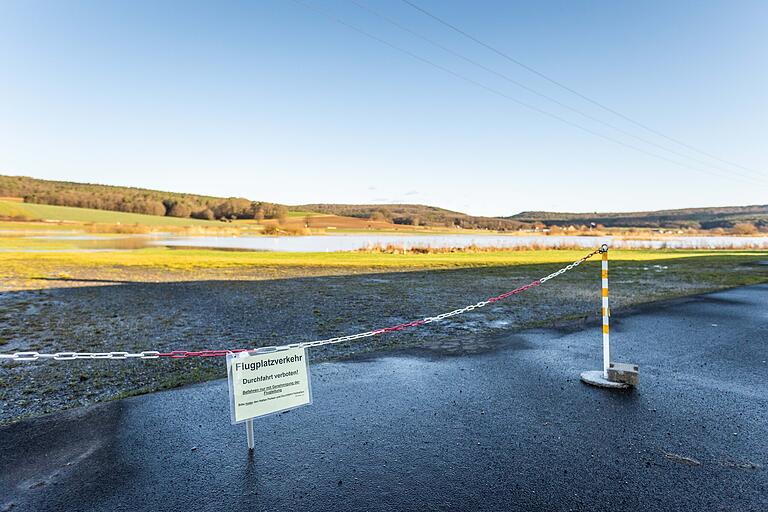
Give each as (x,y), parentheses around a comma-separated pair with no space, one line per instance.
(623,372)
(595,378)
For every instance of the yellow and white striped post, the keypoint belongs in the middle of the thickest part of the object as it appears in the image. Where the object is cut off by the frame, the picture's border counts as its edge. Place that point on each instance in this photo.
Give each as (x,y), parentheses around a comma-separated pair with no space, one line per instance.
(597,377)
(606,313)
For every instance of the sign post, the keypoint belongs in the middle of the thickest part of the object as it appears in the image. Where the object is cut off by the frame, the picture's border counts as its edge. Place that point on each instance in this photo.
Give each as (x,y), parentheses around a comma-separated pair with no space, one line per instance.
(264,383)
(249,434)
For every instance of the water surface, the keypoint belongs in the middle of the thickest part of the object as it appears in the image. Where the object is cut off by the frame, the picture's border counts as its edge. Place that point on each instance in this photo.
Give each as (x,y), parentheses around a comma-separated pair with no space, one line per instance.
(333,243)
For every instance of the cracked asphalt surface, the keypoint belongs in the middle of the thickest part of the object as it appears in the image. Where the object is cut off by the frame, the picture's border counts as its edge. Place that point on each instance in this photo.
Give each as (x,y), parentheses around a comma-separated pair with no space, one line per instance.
(508,429)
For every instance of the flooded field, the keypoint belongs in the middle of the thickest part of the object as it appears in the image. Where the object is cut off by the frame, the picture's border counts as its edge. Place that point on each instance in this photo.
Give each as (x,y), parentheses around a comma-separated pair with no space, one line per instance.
(333,243)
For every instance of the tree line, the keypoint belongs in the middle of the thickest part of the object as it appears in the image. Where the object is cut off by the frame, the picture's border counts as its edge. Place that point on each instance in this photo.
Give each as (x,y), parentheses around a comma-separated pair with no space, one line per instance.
(416,215)
(137,200)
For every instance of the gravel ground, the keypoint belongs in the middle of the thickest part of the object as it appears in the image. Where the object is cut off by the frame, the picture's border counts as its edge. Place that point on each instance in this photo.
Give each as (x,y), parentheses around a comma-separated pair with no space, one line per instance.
(215,311)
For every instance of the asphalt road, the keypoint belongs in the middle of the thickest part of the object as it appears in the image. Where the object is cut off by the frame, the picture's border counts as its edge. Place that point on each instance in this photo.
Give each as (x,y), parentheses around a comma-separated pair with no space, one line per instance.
(510,429)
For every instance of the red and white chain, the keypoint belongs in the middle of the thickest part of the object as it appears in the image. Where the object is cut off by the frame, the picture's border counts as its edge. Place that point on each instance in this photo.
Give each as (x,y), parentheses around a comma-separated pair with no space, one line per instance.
(178,354)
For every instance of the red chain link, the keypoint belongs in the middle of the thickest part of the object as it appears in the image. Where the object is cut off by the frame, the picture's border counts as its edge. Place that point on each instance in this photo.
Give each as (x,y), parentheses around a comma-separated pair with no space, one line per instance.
(513,292)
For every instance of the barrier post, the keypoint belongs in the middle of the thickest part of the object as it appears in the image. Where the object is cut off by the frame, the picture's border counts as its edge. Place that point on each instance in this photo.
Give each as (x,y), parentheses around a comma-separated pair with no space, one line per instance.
(603,378)
(606,312)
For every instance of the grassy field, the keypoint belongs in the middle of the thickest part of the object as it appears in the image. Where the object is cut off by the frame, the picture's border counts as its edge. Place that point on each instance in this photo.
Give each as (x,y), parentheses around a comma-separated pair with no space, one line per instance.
(296,221)
(86,215)
(16,263)
(201,259)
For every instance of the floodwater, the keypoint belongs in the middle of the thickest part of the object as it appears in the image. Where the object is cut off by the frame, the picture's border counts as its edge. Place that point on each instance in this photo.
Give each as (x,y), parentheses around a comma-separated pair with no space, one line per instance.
(352,242)
(331,243)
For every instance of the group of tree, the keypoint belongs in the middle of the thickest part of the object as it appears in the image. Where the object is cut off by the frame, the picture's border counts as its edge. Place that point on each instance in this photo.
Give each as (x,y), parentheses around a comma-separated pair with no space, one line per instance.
(415,215)
(137,200)
(741,219)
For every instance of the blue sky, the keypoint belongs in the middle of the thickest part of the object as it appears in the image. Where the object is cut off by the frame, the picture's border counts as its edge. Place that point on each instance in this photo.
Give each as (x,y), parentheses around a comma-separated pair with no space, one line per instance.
(273,101)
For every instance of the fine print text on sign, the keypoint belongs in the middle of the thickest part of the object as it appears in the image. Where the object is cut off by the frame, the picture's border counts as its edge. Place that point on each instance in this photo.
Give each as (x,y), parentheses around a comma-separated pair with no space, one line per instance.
(261,384)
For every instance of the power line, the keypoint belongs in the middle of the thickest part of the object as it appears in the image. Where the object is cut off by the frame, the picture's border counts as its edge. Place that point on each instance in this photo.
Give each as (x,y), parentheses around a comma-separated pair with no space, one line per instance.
(573,91)
(354,28)
(540,94)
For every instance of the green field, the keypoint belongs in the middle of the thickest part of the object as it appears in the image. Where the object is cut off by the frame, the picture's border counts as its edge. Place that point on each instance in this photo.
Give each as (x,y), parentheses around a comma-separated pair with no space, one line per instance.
(69,215)
(300,213)
(32,211)
(15,261)
(106,221)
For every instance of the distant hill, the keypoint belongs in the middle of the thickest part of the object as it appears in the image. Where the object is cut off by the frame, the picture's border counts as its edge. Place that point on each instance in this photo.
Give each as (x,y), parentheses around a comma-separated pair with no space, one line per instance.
(180,205)
(703,218)
(415,215)
(136,200)
(192,206)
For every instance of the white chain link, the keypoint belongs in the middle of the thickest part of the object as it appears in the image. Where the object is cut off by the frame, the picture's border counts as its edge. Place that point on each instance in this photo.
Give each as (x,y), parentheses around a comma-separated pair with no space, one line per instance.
(154,354)
(70,356)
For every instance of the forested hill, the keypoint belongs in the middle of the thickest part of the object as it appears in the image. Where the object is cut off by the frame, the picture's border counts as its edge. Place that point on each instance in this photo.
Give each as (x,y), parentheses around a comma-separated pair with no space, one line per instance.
(174,204)
(136,200)
(705,218)
(414,214)
(744,219)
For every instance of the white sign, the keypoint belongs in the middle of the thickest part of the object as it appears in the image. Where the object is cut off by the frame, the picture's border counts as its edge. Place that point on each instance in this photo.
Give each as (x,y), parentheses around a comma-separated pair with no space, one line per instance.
(261,384)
